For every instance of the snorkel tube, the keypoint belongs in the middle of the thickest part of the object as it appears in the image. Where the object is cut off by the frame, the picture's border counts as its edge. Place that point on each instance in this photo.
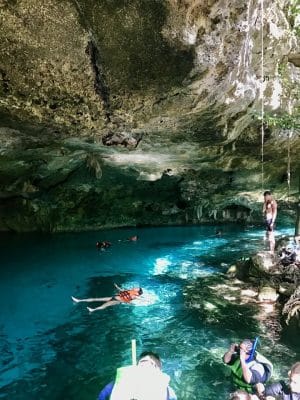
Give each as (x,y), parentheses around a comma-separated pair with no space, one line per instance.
(251,357)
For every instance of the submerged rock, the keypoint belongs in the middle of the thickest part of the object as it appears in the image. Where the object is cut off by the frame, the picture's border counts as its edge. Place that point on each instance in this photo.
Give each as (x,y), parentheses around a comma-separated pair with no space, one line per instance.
(267,294)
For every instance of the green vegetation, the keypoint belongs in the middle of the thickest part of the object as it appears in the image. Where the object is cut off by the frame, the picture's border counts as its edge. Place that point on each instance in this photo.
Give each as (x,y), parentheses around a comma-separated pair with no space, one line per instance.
(294,16)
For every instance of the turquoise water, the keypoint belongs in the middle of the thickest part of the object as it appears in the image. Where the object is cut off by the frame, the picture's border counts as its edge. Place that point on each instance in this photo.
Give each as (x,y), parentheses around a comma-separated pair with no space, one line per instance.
(54,349)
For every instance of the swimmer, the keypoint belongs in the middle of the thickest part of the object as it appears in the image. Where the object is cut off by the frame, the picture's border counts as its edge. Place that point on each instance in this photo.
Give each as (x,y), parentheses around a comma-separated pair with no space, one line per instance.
(103,245)
(123,296)
(133,238)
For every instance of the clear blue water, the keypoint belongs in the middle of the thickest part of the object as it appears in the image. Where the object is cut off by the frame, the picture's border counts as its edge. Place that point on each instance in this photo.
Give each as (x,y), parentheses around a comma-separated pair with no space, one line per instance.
(54,349)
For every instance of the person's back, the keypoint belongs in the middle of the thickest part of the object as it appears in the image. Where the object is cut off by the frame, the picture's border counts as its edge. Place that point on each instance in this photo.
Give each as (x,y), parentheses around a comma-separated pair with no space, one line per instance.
(140,382)
(144,381)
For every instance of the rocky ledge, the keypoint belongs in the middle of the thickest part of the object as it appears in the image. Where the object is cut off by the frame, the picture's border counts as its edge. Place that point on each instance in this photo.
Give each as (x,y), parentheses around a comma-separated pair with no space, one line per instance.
(114,114)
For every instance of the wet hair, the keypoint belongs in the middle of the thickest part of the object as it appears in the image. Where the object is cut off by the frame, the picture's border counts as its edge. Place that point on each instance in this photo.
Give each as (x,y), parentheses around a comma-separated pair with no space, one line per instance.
(295,370)
(140,290)
(240,395)
(154,357)
(268,193)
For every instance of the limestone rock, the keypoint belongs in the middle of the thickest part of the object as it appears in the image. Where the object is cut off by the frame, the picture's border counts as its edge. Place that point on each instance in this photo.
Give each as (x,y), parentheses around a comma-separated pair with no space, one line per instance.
(154,103)
(262,264)
(267,294)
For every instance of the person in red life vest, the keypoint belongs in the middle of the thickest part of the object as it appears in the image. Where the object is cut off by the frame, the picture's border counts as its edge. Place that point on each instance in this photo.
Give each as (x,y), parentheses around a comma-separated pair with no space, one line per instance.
(123,296)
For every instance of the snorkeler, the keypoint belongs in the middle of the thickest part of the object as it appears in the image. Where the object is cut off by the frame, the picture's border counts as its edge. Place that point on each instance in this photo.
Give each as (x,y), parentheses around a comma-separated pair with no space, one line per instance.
(123,296)
(248,367)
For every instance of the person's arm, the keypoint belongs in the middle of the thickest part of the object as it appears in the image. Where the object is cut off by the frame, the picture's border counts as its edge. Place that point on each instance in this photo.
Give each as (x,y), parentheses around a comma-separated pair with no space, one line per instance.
(260,388)
(106,391)
(264,208)
(274,212)
(247,374)
(118,287)
(228,355)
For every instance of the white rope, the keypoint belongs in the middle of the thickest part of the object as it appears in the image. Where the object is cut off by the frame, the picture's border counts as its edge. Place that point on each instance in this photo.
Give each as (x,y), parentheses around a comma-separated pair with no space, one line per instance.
(262,96)
(289,166)
(290,134)
(133,351)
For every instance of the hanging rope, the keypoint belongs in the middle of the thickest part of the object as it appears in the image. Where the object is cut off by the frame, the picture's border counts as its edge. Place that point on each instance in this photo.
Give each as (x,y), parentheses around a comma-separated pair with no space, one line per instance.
(290,134)
(288,172)
(262,96)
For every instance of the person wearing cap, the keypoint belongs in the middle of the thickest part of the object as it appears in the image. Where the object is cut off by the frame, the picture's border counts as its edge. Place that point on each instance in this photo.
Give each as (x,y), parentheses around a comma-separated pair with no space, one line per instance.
(247,367)
(144,381)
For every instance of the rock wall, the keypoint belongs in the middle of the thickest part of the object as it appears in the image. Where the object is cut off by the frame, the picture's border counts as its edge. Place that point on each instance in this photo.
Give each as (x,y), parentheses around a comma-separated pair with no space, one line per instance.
(144,112)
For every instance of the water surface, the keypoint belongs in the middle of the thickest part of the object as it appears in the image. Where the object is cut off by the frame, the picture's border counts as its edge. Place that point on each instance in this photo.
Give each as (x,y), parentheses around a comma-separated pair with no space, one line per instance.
(54,349)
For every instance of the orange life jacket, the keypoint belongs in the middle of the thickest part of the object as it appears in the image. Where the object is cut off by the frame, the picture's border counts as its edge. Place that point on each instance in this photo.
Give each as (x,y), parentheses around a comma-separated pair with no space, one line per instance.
(127,296)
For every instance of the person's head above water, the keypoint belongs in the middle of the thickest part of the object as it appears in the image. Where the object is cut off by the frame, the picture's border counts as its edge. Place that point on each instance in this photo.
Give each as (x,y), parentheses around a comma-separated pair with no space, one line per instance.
(148,358)
(140,291)
(246,345)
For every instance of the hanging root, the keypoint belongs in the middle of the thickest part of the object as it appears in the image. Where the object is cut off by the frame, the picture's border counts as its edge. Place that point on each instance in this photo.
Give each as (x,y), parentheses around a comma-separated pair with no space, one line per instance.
(292,308)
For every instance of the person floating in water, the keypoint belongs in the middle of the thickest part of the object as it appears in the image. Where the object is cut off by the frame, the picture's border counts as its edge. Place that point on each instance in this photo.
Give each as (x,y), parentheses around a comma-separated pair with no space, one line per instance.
(248,367)
(270,214)
(281,390)
(103,245)
(123,296)
(144,381)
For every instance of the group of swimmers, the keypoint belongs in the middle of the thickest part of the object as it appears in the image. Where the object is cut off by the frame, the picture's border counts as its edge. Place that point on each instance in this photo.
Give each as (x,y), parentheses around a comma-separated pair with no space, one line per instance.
(250,372)
(105,244)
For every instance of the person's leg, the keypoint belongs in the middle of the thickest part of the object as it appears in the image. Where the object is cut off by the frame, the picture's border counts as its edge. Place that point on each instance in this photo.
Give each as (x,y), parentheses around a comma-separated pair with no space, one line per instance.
(272,242)
(91,299)
(107,304)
